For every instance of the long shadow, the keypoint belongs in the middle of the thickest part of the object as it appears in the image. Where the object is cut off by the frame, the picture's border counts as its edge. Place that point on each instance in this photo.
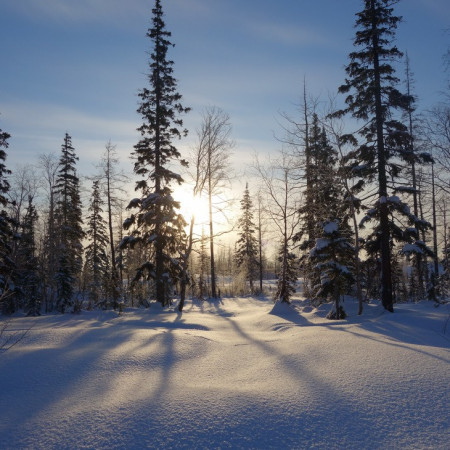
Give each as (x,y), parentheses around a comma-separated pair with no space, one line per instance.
(54,375)
(396,343)
(296,370)
(391,328)
(421,332)
(60,375)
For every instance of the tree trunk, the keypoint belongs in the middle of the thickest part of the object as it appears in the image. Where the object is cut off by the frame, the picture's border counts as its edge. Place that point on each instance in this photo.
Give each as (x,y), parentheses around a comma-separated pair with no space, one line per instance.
(114,275)
(260,247)
(211,243)
(309,218)
(435,292)
(418,260)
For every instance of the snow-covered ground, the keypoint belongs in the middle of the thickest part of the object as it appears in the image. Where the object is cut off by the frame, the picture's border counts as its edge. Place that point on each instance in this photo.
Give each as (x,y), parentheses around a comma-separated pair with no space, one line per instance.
(229,374)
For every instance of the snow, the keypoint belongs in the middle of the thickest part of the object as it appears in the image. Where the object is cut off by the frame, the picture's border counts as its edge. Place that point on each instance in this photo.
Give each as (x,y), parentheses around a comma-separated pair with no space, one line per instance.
(331,227)
(236,373)
(406,189)
(321,243)
(394,199)
(408,249)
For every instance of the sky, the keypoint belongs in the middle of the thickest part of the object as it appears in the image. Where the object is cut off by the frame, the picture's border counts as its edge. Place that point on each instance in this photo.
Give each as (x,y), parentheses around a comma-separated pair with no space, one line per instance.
(77,66)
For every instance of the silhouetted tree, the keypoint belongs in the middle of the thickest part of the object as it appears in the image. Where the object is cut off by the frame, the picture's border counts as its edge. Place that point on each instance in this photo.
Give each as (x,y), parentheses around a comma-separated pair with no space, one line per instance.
(214,145)
(111,183)
(69,222)
(97,263)
(31,285)
(247,244)
(373,98)
(6,233)
(156,223)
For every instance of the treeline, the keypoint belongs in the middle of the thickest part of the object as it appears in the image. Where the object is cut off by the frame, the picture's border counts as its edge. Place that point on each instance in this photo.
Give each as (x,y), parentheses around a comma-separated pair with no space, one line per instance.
(361,213)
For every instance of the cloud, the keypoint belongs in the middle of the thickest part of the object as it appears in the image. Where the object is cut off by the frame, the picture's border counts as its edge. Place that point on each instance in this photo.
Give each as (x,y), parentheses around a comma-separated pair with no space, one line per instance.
(195,8)
(40,128)
(54,118)
(289,34)
(119,12)
(71,11)
(439,8)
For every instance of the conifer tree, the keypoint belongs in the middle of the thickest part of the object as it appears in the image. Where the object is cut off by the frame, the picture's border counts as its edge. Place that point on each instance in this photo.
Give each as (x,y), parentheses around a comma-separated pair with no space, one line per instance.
(418,272)
(69,220)
(247,244)
(157,224)
(97,263)
(288,275)
(333,256)
(203,268)
(259,212)
(323,195)
(48,256)
(373,98)
(323,188)
(29,276)
(6,233)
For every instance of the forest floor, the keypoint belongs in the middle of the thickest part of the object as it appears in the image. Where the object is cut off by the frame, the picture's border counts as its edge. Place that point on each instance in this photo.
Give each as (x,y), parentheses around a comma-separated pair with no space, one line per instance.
(233,373)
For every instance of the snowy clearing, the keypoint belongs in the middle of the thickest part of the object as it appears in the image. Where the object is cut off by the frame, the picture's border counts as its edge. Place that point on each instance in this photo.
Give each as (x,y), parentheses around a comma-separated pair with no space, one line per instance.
(237,373)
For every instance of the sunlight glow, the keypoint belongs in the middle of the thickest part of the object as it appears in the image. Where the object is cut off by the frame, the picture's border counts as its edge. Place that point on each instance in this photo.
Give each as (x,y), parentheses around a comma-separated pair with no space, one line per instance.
(189,205)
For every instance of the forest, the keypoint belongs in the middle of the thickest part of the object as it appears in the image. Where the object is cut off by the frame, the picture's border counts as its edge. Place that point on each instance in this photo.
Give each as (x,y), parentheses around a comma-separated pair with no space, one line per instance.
(355,203)
(165,308)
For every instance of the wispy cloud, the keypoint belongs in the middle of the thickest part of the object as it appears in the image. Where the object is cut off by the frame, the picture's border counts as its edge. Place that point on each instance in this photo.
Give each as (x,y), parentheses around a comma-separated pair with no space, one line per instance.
(40,128)
(196,8)
(54,118)
(289,34)
(120,12)
(439,8)
(77,11)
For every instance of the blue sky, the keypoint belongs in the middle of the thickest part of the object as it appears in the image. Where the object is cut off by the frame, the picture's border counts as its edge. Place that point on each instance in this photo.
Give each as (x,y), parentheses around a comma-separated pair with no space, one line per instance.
(77,66)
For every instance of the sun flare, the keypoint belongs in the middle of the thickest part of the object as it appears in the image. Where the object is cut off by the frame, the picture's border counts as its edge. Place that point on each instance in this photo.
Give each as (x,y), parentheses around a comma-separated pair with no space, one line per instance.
(190,205)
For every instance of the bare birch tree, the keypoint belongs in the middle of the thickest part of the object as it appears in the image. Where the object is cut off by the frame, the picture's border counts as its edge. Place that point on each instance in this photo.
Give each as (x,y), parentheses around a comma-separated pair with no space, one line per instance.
(279,182)
(214,144)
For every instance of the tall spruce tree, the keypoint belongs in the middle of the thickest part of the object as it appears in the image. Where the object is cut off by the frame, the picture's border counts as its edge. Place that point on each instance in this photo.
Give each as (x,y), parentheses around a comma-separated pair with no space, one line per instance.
(29,276)
(373,98)
(48,255)
(323,190)
(323,196)
(247,244)
(156,224)
(96,258)
(69,220)
(6,233)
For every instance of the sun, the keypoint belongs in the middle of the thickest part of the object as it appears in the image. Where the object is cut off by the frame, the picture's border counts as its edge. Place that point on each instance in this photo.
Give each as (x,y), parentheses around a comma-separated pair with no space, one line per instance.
(190,205)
